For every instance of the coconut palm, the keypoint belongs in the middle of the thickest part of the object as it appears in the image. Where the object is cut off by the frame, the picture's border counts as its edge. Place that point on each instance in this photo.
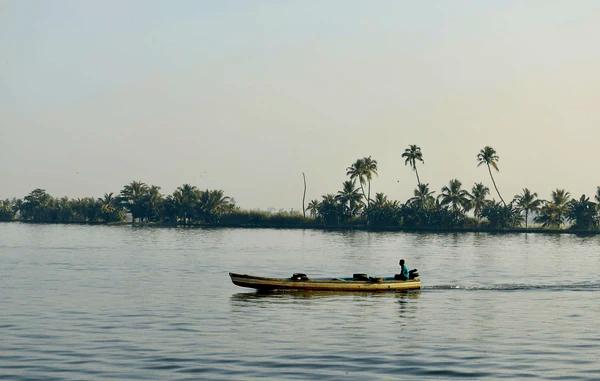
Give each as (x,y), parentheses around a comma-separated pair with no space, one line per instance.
(212,203)
(153,200)
(350,198)
(527,202)
(413,154)
(185,197)
(132,198)
(452,194)
(582,213)
(363,169)
(554,212)
(489,157)
(478,200)
(109,208)
(423,197)
(330,210)
(313,208)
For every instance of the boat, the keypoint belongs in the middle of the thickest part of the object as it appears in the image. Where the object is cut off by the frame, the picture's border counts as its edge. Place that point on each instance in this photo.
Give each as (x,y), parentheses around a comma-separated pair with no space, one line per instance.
(301,282)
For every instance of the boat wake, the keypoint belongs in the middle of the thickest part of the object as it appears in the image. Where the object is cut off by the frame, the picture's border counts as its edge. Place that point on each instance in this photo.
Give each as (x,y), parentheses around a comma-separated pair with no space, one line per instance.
(583,286)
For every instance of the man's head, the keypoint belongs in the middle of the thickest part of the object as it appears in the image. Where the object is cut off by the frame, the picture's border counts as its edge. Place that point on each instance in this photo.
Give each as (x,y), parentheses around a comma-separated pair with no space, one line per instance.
(402,262)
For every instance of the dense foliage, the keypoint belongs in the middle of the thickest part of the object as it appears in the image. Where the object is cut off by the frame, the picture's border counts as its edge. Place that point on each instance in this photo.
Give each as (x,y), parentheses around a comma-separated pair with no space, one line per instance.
(453,208)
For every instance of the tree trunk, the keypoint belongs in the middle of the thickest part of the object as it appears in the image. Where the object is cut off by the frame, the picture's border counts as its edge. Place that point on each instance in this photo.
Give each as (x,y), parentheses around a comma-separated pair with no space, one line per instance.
(526,217)
(418,180)
(495,187)
(304,196)
(369,195)
(363,192)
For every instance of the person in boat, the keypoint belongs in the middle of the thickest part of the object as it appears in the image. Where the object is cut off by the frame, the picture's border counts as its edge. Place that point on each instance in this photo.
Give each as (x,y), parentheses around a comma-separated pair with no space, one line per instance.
(405,273)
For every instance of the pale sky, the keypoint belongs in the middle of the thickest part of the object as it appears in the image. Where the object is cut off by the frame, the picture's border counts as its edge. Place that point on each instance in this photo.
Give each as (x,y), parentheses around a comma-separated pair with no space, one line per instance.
(246,95)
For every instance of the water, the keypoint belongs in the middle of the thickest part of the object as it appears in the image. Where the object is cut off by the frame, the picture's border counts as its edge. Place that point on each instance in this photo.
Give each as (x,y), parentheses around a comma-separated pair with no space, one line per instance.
(106,303)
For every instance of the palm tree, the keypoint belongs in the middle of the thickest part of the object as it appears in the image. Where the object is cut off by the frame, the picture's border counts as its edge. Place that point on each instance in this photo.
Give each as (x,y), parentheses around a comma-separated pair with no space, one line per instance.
(422,196)
(132,196)
(349,197)
(554,212)
(313,208)
(597,197)
(213,203)
(583,213)
(330,210)
(489,157)
(363,169)
(453,195)
(153,200)
(109,208)
(413,154)
(478,200)
(527,202)
(186,197)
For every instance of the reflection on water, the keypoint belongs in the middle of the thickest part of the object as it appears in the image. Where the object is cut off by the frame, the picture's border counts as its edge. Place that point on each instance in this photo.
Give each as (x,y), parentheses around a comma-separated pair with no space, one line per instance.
(101,302)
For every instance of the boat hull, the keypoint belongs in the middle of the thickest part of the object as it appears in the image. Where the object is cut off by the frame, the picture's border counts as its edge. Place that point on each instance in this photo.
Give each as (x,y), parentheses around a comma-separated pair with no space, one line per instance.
(323,284)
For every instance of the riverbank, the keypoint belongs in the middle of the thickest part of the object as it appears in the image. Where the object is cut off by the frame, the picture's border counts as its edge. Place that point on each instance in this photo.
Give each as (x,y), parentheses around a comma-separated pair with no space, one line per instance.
(318,226)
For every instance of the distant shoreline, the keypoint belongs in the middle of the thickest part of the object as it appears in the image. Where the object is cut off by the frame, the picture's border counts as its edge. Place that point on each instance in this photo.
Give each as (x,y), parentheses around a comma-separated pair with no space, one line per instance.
(322,227)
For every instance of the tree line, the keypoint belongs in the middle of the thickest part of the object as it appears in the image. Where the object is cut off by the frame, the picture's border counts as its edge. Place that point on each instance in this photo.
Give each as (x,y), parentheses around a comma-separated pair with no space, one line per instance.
(454,207)
(143,202)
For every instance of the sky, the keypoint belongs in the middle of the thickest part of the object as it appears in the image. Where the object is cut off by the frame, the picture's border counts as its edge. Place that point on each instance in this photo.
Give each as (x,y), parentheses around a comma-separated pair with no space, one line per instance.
(244,96)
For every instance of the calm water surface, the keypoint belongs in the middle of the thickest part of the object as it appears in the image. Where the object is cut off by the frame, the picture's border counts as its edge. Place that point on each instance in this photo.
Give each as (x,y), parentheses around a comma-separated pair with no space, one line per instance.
(106,303)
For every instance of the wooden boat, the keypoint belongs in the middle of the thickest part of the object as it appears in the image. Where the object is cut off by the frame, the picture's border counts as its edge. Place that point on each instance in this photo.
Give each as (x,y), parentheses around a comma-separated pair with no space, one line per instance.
(324,284)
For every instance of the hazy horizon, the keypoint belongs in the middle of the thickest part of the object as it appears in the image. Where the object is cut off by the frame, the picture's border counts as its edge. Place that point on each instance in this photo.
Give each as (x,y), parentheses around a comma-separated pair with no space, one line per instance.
(245,96)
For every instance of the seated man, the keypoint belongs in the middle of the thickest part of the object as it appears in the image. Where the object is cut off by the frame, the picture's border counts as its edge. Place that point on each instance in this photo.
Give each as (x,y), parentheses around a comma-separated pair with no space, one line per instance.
(405,274)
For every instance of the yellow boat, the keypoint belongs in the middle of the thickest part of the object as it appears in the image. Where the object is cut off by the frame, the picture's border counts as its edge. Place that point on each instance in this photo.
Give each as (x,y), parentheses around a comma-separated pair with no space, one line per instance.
(324,284)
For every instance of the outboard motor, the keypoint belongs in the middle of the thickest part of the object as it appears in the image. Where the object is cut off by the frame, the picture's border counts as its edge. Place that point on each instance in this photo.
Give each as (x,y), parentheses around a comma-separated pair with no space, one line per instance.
(298,277)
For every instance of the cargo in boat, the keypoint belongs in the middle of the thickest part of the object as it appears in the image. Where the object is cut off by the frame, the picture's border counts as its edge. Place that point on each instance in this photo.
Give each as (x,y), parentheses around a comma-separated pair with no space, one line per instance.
(301,282)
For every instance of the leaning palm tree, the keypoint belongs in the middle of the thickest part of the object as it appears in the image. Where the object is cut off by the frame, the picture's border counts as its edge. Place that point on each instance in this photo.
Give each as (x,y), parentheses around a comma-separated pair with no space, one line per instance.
(458,199)
(370,170)
(413,154)
(527,202)
(363,169)
(478,200)
(489,157)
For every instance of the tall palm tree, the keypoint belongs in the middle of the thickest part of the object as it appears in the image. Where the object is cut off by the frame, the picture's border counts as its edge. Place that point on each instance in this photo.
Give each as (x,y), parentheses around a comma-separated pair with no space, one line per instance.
(527,202)
(350,197)
(478,200)
(489,157)
(453,195)
(363,169)
(413,154)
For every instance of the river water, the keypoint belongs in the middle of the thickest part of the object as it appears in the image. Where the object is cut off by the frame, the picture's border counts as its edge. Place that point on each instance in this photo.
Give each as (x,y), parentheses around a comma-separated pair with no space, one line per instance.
(108,303)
